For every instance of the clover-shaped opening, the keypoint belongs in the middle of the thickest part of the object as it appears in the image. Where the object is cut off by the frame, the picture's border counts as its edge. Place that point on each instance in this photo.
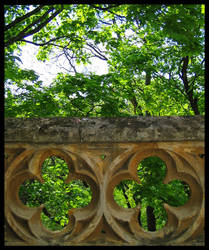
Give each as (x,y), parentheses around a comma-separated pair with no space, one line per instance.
(57,196)
(151,193)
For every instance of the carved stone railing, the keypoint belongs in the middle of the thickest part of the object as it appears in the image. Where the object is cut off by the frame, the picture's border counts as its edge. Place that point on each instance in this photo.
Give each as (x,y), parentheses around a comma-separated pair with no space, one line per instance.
(178,141)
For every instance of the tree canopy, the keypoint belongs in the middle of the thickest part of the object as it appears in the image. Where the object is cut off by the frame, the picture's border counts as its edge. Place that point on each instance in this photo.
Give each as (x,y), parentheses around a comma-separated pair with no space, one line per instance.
(154,53)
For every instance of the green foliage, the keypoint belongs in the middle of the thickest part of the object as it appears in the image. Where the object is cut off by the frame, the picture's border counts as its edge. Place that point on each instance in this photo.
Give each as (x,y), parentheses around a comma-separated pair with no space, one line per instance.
(132,39)
(57,195)
(151,191)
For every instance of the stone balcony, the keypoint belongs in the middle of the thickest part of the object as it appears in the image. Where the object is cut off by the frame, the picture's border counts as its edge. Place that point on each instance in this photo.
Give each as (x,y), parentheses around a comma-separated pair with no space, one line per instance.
(124,142)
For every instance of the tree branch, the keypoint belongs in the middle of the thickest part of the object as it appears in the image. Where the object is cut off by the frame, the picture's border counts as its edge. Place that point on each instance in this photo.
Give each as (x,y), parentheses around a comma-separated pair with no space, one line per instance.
(99,54)
(44,23)
(106,8)
(105,22)
(23,33)
(20,19)
(67,56)
(48,42)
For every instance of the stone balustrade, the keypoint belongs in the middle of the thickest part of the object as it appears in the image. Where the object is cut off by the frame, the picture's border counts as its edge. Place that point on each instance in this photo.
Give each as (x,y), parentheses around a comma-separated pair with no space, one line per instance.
(123,142)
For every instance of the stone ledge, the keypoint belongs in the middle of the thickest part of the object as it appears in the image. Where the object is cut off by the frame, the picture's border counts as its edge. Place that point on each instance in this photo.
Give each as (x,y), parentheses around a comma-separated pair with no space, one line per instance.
(198,241)
(121,129)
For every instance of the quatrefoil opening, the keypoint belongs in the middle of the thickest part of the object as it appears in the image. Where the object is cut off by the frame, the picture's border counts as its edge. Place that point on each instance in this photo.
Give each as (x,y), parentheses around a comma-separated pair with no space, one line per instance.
(150,193)
(57,192)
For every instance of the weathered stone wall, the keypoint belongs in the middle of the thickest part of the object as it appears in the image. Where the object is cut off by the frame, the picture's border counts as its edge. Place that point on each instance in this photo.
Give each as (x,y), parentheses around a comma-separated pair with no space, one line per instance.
(125,141)
(122,129)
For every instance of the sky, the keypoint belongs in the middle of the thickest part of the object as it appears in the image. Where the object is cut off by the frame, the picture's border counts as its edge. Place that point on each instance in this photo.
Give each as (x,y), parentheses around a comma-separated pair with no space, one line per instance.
(49,69)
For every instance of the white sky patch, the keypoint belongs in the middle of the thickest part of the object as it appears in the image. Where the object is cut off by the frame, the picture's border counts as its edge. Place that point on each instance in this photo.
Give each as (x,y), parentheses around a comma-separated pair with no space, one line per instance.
(49,69)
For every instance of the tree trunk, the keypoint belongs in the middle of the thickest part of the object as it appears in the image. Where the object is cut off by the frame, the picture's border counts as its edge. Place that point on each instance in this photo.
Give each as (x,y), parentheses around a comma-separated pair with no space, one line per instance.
(147,82)
(148,77)
(151,221)
(123,186)
(189,89)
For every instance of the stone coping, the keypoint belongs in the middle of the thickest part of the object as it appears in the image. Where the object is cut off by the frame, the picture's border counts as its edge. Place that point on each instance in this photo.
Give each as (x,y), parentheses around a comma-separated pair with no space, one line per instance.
(101,130)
